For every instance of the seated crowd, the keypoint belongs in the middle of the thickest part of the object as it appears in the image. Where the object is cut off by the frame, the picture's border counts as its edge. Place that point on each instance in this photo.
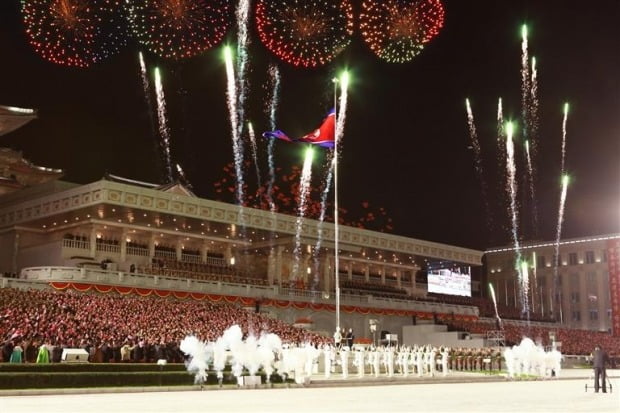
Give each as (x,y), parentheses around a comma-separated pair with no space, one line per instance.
(574,342)
(123,328)
(486,307)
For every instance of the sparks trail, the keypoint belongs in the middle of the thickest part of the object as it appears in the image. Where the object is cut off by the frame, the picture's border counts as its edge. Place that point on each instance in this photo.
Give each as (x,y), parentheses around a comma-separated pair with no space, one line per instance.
(525,81)
(534,115)
(531,184)
(243,41)
(501,146)
(528,88)
(565,182)
(304,191)
(183,177)
(164,131)
(231,94)
(532,149)
(564,122)
(475,145)
(511,187)
(274,76)
(524,287)
(252,137)
(148,100)
(492,290)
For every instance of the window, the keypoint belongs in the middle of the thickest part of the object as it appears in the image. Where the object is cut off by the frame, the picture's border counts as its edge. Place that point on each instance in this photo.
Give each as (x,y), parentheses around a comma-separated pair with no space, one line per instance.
(591,279)
(572,258)
(542,281)
(589,257)
(576,316)
(574,297)
(574,281)
(541,261)
(593,315)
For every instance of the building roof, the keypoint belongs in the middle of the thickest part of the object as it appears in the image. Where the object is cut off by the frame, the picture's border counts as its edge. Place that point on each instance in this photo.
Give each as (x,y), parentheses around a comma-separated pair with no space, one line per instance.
(546,244)
(12,117)
(173,212)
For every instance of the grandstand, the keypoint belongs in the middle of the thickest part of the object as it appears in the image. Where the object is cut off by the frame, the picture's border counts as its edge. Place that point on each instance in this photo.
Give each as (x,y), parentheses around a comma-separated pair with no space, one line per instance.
(124,234)
(121,245)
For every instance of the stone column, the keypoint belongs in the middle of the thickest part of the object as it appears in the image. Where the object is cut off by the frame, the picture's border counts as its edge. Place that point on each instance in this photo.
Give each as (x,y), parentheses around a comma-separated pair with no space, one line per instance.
(271,266)
(414,273)
(367,273)
(228,254)
(123,245)
(93,242)
(327,272)
(204,252)
(383,275)
(306,265)
(179,250)
(350,271)
(278,271)
(152,247)
(399,274)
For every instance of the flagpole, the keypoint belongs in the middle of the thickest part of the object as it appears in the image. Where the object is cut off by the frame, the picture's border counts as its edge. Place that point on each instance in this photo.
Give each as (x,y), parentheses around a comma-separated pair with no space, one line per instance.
(336,231)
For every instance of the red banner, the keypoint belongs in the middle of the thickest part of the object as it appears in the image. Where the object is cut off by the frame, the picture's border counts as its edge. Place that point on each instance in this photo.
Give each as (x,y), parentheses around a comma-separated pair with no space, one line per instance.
(613,267)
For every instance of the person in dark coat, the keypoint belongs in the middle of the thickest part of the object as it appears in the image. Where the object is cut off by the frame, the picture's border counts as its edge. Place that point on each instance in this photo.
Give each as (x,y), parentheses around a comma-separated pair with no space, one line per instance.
(599,360)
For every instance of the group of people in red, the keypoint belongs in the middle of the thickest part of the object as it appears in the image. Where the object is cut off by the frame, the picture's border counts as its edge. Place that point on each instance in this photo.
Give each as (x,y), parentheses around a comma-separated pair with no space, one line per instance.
(114,327)
(577,342)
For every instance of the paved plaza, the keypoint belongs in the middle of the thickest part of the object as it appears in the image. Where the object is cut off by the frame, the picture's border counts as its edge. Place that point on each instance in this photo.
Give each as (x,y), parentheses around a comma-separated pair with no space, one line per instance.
(566,395)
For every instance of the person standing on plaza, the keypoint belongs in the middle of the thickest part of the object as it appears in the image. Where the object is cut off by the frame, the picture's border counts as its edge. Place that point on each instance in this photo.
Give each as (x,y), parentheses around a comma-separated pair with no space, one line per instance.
(599,360)
(349,338)
(337,338)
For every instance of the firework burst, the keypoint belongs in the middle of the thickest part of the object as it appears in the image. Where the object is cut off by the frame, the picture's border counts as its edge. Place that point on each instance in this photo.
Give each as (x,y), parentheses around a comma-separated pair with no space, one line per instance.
(397,30)
(307,33)
(75,33)
(179,29)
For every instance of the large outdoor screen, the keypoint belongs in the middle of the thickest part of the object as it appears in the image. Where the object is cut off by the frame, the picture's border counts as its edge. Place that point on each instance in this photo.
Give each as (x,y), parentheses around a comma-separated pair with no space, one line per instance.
(450,281)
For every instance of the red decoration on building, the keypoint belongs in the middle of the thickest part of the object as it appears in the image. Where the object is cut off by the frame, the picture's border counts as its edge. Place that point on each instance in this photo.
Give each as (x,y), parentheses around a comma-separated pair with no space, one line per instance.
(613,265)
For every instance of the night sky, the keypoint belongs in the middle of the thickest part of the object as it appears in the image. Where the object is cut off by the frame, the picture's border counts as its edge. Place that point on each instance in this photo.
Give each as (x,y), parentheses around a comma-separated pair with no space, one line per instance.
(406,140)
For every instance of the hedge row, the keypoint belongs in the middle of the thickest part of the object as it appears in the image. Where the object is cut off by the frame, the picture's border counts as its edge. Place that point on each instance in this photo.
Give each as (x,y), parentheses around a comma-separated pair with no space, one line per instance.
(87,367)
(34,380)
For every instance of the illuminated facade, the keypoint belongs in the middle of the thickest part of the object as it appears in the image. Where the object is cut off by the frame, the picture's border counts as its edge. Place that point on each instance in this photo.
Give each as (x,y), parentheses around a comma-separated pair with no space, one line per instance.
(584,294)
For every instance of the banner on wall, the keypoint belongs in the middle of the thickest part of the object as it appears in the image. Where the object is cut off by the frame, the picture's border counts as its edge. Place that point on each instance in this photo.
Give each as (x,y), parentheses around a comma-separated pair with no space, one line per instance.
(613,267)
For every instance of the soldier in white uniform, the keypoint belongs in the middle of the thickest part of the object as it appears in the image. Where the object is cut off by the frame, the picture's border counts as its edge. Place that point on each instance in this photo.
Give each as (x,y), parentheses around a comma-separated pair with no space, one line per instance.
(344,360)
(327,353)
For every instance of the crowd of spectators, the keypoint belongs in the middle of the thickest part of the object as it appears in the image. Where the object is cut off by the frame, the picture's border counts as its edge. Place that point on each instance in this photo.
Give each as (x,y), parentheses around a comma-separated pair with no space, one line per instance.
(486,307)
(114,327)
(574,342)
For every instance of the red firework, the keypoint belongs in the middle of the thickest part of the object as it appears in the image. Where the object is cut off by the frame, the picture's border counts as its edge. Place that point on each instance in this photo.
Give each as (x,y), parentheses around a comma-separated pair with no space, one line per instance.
(75,32)
(397,30)
(306,33)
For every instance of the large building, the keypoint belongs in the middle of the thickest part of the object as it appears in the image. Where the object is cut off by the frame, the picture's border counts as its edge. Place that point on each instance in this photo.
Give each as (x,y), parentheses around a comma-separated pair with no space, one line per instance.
(127,234)
(579,287)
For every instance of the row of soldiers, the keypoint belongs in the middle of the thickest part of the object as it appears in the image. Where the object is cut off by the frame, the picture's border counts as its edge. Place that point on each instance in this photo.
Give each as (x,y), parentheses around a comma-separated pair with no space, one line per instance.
(387,360)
